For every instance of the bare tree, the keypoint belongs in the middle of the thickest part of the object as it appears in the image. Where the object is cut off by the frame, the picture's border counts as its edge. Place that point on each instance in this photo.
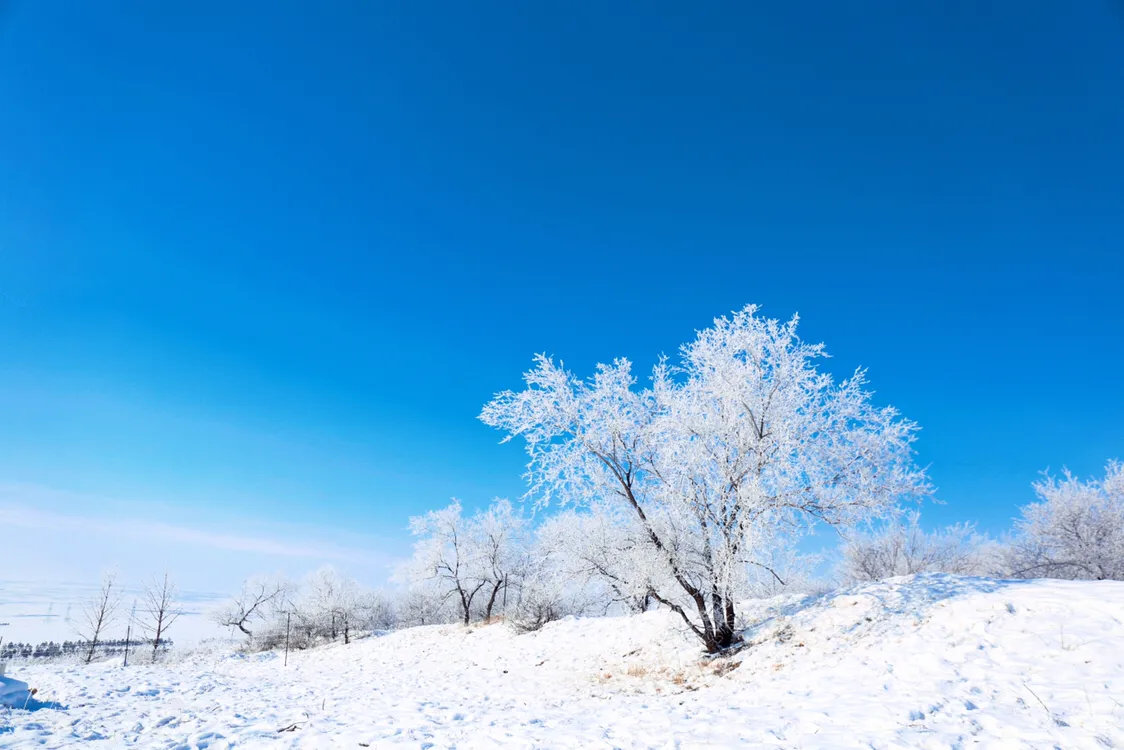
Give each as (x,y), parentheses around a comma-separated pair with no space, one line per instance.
(161,609)
(98,612)
(259,596)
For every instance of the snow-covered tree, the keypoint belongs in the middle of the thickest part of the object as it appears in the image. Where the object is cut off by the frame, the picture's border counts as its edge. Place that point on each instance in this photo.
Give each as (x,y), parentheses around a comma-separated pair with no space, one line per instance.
(445,558)
(904,548)
(422,605)
(258,601)
(376,611)
(1074,531)
(743,441)
(590,547)
(558,580)
(499,536)
(469,560)
(330,604)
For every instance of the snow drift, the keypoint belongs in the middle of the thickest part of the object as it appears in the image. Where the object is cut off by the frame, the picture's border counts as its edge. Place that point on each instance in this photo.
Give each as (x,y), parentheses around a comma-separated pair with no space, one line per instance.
(13,692)
(931,661)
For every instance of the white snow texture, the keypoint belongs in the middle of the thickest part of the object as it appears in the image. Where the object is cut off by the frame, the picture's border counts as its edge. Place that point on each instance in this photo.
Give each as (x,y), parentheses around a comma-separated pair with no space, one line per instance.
(931,661)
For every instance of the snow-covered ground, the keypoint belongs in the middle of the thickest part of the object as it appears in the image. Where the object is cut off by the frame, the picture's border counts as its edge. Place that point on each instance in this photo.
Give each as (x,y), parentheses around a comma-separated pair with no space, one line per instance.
(930,662)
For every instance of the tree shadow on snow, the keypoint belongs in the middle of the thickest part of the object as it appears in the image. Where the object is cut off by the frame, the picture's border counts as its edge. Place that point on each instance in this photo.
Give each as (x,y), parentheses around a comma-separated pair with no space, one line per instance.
(35,705)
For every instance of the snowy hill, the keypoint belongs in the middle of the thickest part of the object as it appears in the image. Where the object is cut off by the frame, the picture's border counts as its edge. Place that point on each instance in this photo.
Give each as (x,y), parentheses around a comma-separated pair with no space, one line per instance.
(927,662)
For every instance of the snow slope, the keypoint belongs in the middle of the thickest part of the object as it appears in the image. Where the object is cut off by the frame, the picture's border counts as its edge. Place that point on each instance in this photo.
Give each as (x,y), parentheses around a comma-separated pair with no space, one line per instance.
(927,662)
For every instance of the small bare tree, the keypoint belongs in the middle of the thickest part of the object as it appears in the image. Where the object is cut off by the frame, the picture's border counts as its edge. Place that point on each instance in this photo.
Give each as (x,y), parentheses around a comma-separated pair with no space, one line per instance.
(253,604)
(161,609)
(98,612)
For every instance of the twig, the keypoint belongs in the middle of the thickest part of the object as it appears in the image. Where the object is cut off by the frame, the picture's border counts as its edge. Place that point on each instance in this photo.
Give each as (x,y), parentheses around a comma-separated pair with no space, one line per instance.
(1044,706)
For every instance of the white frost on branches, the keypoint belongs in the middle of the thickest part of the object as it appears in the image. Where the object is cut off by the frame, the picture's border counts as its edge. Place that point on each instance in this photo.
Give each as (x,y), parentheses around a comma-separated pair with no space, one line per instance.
(904,548)
(473,562)
(741,442)
(1075,531)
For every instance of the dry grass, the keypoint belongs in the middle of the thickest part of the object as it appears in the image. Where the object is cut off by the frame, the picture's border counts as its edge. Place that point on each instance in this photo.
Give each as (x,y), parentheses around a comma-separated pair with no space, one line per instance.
(723,667)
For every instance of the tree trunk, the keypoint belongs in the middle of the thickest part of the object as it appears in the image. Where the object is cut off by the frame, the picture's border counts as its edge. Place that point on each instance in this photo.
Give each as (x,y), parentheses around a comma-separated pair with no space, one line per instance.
(466,604)
(156,640)
(492,599)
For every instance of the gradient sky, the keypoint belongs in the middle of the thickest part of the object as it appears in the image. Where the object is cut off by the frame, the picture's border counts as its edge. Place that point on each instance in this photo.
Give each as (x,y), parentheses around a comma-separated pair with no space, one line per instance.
(262,263)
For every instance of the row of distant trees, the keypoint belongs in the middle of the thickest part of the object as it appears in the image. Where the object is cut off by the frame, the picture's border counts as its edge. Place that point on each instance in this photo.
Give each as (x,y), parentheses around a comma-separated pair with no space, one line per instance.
(69,649)
(325,606)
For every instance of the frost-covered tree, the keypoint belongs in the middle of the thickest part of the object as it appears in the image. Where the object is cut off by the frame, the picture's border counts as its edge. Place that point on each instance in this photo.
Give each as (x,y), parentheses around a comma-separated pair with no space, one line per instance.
(330,604)
(1074,531)
(499,536)
(469,560)
(422,605)
(564,573)
(904,548)
(376,611)
(258,600)
(575,548)
(744,440)
(445,558)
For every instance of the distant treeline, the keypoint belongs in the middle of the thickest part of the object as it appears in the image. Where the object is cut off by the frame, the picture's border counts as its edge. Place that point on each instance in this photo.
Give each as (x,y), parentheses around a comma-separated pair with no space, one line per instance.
(50,649)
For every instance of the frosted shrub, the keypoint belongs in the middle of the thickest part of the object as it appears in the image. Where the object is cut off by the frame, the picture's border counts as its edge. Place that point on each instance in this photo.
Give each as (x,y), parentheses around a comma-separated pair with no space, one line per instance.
(1074,531)
(904,548)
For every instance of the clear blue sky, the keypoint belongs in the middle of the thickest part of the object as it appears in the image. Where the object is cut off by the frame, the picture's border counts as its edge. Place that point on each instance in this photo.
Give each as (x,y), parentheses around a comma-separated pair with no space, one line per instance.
(273,257)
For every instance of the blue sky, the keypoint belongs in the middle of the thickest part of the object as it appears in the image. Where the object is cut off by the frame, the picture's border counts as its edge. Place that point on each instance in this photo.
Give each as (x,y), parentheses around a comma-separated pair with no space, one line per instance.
(260,266)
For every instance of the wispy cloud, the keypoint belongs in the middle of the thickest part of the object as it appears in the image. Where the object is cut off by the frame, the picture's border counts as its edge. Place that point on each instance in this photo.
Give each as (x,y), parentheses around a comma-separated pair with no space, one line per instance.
(156,531)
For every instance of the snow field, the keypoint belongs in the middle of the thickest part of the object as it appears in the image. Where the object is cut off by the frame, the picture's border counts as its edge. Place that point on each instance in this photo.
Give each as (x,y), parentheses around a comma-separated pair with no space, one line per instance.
(930,661)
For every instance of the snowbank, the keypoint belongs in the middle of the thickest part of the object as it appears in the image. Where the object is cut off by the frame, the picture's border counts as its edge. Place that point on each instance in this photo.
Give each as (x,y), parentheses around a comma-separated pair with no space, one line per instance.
(925,662)
(13,692)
